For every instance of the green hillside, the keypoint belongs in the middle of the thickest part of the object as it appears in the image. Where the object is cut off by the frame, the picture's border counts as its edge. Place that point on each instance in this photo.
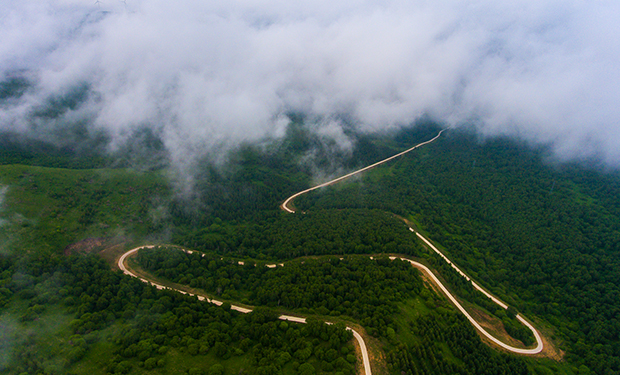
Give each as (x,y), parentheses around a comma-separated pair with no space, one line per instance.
(541,236)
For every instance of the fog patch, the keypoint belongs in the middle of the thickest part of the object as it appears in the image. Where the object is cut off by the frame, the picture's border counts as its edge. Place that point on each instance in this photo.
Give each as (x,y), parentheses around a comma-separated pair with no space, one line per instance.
(205,77)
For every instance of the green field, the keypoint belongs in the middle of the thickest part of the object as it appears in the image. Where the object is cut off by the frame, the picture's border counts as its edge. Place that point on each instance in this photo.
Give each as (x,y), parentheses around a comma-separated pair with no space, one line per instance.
(46,209)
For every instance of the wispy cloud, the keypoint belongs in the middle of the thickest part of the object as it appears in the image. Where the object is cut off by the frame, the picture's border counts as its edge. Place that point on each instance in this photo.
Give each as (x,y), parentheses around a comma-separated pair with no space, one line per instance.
(203,74)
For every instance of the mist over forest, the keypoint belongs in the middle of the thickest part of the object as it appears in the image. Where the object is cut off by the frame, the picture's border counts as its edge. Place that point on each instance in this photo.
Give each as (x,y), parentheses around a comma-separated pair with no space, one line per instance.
(203,77)
(134,129)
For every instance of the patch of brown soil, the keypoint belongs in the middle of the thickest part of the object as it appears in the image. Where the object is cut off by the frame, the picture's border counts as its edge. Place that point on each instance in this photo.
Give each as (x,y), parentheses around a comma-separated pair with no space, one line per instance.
(359,360)
(94,245)
(494,326)
(550,348)
(87,245)
(376,355)
(109,248)
(429,284)
(113,252)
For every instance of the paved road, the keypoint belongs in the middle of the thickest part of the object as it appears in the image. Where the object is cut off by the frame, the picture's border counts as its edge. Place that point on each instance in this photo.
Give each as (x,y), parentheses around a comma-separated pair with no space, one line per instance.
(285,205)
(539,343)
(539,347)
(290,318)
(426,270)
(358,337)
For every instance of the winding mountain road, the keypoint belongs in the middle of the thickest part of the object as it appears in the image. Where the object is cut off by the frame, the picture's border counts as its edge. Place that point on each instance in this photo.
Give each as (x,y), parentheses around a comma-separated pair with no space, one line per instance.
(244,310)
(366,361)
(285,205)
(484,332)
(539,344)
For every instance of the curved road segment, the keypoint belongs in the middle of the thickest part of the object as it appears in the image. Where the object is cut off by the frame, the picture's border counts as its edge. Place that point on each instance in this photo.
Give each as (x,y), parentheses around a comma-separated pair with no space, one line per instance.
(539,343)
(288,209)
(296,319)
(358,337)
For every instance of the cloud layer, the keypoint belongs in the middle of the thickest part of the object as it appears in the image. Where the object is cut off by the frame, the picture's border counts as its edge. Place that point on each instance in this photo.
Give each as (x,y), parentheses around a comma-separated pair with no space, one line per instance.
(202,74)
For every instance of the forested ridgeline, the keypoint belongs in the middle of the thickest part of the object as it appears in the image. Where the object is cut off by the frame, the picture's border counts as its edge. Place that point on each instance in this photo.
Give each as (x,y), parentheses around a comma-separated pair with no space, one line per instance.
(43,213)
(256,178)
(275,235)
(465,291)
(55,136)
(363,289)
(53,207)
(435,339)
(428,356)
(75,147)
(545,238)
(121,325)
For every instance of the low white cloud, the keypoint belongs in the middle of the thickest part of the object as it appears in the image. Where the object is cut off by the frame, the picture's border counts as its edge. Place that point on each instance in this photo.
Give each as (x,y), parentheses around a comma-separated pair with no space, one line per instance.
(207,74)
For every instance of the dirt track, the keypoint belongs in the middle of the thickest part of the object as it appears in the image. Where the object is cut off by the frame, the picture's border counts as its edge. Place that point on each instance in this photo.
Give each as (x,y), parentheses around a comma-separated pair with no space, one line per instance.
(539,347)
(296,319)
(423,268)
(285,205)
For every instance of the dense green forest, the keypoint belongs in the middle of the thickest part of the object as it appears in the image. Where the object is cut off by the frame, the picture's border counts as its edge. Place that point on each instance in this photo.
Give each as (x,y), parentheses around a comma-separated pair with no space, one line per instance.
(354,287)
(358,287)
(542,236)
(122,325)
(279,236)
